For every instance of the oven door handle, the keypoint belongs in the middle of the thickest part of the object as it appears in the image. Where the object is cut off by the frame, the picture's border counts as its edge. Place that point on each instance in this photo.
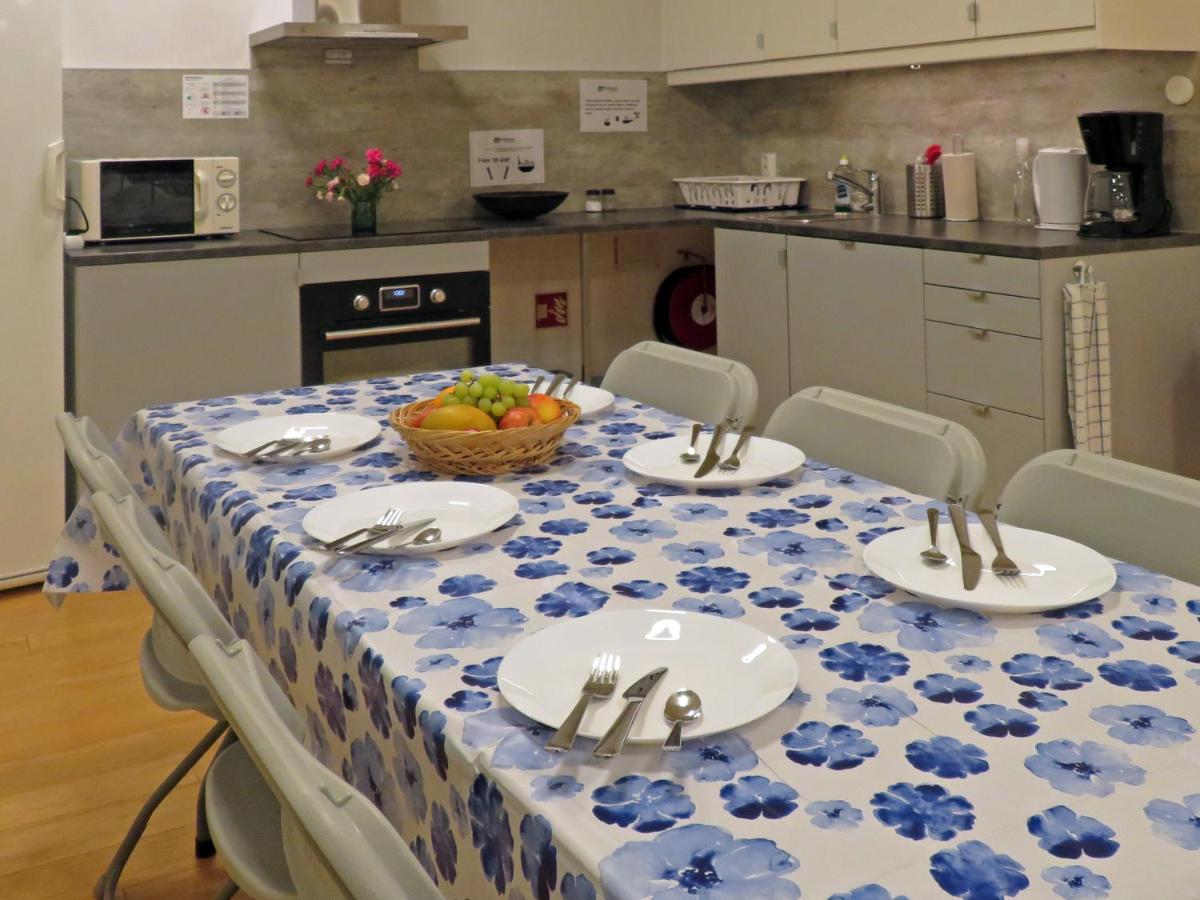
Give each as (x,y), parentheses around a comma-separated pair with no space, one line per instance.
(351,334)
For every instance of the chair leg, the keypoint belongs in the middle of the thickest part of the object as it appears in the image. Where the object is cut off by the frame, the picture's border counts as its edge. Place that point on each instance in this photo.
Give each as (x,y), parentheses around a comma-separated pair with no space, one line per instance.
(227,891)
(106,887)
(205,848)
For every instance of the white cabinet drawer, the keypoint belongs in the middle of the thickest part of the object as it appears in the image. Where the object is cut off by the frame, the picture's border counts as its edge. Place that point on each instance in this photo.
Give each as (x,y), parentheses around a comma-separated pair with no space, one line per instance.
(1009,440)
(984,367)
(979,272)
(982,309)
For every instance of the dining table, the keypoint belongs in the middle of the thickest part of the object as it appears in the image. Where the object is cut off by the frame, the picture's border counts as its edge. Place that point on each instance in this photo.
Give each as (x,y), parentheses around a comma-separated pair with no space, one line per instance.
(927,750)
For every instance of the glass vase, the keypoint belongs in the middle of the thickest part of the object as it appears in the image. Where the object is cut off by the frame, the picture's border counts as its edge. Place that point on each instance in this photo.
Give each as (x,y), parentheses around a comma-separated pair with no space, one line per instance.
(362,216)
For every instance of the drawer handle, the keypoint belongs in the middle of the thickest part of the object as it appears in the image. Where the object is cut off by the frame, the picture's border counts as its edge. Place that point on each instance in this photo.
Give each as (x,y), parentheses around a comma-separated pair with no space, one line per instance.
(980,334)
(978,296)
(849,245)
(978,257)
(982,411)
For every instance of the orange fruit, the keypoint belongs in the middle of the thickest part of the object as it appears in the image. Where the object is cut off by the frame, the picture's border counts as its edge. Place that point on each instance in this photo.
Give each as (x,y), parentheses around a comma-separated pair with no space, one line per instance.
(441,397)
(547,408)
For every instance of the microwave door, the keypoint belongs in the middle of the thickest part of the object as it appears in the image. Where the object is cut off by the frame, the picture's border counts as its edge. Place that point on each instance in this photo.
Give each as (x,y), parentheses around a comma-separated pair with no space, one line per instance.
(147,198)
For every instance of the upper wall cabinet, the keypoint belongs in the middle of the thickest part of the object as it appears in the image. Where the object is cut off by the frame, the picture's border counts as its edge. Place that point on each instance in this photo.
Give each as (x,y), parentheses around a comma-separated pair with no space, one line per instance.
(711,32)
(696,32)
(879,33)
(1002,17)
(871,24)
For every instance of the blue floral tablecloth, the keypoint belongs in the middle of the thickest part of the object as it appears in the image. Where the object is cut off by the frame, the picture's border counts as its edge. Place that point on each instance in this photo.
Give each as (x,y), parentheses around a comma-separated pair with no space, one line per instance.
(927,751)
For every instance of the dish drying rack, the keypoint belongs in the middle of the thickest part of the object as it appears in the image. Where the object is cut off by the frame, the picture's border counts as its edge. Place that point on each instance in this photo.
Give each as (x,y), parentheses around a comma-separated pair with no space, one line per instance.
(740,193)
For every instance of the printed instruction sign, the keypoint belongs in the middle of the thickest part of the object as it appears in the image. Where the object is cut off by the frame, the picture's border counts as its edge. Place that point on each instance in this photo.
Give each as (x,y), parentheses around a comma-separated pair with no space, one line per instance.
(508,157)
(216,96)
(608,105)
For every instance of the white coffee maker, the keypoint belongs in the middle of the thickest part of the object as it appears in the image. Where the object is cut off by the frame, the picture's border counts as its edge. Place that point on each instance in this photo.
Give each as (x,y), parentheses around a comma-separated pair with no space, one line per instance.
(1060,178)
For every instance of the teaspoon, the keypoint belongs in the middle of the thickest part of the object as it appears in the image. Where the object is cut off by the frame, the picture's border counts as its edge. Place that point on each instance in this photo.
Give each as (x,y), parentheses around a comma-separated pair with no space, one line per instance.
(682,708)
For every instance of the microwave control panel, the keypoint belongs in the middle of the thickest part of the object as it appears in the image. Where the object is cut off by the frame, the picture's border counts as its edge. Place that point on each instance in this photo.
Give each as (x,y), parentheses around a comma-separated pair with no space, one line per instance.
(224,195)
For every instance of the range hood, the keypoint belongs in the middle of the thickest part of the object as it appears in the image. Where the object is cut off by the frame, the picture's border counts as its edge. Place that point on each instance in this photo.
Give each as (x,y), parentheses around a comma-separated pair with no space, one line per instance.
(353,24)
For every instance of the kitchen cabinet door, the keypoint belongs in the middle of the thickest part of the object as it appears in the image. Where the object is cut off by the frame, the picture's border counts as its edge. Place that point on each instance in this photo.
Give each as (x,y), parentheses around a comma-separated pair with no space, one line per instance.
(752,310)
(856,318)
(698,33)
(874,24)
(799,28)
(1002,17)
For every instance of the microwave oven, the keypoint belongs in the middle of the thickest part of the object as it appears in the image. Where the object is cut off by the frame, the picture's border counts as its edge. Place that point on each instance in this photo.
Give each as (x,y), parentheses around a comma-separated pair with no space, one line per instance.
(142,199)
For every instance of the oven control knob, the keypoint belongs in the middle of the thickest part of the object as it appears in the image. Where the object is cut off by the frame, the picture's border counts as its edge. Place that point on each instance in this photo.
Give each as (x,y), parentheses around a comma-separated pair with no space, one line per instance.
(227,178)
(437,295)
(362,302)
(226,202)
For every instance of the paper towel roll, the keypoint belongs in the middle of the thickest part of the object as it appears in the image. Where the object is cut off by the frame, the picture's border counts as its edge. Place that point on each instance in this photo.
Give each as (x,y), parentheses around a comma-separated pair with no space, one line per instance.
(962,191)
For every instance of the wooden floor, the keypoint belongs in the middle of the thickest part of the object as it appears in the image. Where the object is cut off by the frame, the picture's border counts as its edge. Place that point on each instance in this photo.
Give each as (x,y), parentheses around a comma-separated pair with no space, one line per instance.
(81,747)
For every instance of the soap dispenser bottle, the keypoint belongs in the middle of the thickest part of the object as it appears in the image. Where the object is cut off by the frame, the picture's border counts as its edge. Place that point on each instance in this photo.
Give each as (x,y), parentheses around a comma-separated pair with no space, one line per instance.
(842,201)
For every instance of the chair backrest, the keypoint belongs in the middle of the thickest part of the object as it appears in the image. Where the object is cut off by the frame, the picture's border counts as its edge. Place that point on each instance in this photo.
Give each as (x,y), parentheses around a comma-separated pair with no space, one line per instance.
(1129,512)
(337,844)
(697,386)
(92,455)
(183,610)
(910,450)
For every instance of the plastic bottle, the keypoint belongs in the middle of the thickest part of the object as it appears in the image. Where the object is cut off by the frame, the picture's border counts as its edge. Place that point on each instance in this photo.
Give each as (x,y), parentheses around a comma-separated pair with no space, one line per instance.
(842,201)
(1023,205)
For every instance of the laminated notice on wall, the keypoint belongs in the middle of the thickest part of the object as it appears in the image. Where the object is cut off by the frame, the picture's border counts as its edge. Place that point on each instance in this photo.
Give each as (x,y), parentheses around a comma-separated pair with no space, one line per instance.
(216,96)
(608,105)
(508,157)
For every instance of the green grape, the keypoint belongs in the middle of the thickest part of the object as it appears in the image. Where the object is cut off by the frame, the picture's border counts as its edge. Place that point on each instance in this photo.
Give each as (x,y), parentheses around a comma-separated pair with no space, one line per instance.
(485,405)
(507,388)
(520,391)
(476,390)
(452,401)
(490,392)
(467,376)
(522,401)
(509,402)
(468,401)
(489,380)
(460,390)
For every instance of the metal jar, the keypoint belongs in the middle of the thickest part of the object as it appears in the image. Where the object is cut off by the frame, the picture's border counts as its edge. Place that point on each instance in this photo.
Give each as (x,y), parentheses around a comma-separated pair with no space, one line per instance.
(926,192)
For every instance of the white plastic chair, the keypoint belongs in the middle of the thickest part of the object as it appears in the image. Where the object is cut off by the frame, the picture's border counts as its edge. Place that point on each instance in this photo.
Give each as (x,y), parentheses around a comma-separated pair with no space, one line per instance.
(285,825)
(92,455)
(697,386)
(182,610)
(1126,511)
(910,450)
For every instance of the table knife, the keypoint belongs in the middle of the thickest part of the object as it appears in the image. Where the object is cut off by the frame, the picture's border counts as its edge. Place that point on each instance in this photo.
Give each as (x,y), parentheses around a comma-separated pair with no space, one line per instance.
(614,739)
(399,532)
(714,453)
(972,563)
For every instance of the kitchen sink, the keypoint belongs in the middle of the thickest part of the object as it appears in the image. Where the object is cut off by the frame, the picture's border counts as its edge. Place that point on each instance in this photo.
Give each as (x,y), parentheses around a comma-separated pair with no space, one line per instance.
(806,217)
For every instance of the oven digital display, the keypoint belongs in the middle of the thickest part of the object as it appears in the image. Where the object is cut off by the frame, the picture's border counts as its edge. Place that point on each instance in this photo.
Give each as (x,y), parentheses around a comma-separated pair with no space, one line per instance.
(399,297)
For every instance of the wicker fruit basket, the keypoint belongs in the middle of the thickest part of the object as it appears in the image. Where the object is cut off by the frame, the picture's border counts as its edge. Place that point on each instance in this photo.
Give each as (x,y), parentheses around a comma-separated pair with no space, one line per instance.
(482,452)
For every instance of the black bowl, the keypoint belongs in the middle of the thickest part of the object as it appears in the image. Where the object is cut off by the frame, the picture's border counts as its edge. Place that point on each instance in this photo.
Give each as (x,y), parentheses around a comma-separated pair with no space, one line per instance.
(520,204)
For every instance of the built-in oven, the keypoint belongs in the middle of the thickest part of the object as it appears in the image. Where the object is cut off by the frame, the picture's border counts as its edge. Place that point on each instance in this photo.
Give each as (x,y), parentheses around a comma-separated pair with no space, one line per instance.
(352,330)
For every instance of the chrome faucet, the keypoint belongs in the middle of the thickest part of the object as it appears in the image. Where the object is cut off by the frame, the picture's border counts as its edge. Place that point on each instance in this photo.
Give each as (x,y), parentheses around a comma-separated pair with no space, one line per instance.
(871,189)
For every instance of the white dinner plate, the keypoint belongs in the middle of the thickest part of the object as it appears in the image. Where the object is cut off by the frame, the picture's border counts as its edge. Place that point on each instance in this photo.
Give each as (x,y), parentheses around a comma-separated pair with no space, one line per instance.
(464,511)
(346,432)
(591,400)
(740,673)
(762,460)
(1055,572)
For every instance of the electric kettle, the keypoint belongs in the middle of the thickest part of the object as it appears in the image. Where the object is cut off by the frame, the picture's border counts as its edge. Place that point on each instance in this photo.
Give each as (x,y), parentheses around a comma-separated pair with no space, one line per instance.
(1060,180)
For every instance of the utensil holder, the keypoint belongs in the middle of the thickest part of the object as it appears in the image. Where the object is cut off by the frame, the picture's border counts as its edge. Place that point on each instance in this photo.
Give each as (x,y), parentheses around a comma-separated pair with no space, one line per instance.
(926,191)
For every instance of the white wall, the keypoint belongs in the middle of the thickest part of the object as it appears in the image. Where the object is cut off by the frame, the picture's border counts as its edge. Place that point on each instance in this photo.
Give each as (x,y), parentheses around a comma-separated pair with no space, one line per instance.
(543,35)
(164,34)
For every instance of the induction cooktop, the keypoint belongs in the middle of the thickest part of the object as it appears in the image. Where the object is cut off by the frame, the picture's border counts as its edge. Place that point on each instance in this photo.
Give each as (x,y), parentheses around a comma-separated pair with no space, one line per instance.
(384,229)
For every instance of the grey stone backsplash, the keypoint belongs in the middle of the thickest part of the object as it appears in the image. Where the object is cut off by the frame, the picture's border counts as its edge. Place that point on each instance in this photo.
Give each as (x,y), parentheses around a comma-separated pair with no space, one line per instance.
(302,109)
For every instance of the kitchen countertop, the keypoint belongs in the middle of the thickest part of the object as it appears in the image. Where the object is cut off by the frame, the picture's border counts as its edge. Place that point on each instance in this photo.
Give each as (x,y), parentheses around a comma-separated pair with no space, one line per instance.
(994,238)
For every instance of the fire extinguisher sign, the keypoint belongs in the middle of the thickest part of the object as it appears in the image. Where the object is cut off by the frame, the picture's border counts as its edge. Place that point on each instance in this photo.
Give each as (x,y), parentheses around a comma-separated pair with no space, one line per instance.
(550,310)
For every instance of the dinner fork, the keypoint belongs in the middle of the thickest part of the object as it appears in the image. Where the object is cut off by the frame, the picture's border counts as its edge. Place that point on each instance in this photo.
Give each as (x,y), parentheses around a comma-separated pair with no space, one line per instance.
(389,520)
(601,683)
(732,463)
(1002,565)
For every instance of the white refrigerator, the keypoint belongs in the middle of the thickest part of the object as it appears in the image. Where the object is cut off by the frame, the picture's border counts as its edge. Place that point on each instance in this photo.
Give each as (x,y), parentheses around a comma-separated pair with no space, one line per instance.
(31,287)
